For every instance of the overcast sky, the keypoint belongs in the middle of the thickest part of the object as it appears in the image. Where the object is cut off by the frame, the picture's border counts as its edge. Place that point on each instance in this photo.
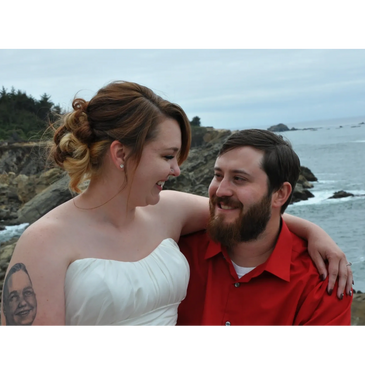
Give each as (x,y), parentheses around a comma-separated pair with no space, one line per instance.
(231,89)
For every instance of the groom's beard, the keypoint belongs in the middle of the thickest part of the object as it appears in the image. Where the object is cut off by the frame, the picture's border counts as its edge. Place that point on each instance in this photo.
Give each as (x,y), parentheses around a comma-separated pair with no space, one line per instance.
(248,226)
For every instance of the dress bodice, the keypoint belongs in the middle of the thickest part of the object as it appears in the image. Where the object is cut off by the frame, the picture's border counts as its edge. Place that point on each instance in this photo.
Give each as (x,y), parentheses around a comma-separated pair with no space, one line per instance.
(145,292)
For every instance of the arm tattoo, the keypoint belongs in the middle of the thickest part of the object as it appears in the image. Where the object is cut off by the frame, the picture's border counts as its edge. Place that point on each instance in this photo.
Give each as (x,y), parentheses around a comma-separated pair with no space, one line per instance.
(19,299)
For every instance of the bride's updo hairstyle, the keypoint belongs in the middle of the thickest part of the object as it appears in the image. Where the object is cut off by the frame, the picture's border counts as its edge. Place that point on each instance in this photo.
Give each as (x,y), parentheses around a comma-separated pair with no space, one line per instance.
(122,111)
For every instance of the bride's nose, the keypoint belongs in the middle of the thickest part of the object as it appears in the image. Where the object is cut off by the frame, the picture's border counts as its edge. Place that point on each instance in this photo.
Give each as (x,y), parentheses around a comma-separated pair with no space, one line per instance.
(175,170)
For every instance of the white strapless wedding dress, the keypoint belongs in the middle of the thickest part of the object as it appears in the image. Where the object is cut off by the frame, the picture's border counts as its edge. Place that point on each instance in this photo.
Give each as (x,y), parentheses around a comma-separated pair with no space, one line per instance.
(145,292)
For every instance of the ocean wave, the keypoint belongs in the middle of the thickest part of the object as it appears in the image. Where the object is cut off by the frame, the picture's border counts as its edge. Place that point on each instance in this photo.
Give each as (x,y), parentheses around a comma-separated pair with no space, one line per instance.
(12,231)
(322,197)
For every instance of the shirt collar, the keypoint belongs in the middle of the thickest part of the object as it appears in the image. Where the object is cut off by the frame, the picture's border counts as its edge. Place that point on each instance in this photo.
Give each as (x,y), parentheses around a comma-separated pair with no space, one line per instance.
(279,261)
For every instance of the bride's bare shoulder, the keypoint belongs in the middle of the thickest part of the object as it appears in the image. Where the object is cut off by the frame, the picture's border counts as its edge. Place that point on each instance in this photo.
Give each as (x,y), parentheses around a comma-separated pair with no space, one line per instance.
(53,227)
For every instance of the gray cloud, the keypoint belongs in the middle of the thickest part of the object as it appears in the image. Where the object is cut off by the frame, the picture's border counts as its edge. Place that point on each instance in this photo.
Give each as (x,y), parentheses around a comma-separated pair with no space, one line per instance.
(225,88)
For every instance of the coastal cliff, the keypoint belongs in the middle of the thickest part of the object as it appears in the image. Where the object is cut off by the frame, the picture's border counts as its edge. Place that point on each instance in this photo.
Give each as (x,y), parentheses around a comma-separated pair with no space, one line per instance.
(30,187)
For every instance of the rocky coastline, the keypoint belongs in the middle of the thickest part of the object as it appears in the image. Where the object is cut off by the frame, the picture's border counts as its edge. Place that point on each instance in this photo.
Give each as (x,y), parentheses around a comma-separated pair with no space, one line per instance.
(30,187)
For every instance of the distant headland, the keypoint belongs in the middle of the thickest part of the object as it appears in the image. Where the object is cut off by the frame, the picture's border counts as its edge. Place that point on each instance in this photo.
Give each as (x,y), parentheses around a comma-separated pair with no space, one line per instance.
(284,128)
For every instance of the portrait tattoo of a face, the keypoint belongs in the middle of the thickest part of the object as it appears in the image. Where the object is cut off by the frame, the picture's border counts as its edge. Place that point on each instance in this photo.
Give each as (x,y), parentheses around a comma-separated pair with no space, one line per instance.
(19,299)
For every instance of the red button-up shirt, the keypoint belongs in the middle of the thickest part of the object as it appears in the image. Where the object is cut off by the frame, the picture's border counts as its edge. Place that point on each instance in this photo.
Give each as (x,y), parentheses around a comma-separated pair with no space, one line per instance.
(285,290)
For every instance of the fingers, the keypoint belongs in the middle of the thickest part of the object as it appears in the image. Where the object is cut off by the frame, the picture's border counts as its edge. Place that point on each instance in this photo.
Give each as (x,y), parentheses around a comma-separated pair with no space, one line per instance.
(342,279)
(334,269)
(350,280)
(320,265)
(340,269)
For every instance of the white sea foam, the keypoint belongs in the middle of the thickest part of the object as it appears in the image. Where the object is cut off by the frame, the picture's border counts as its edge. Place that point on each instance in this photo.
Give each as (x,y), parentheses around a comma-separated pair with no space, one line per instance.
(12,231)
(322,197)
(323,182)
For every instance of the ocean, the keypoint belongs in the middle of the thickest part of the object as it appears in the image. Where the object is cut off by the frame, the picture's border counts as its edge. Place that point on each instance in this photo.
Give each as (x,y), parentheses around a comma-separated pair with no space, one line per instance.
(335,153)
(12,231)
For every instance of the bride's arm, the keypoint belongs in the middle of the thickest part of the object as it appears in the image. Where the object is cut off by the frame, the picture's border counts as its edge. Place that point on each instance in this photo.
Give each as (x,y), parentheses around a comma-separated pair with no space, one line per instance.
(190,210)
(321,247)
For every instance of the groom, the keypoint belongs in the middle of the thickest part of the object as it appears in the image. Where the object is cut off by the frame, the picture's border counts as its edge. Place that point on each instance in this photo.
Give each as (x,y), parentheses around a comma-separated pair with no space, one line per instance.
(248,268)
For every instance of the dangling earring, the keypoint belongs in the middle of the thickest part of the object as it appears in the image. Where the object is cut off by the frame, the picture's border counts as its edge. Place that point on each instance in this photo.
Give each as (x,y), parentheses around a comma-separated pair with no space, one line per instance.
(121,166)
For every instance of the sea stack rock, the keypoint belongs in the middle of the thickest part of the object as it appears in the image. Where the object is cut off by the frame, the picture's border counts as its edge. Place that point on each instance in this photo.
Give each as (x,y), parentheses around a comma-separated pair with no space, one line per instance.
(340,194)
(278,128)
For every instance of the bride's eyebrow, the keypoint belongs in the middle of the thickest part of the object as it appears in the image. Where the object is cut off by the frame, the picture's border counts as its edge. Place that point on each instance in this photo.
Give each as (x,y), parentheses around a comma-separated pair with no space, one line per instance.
(173,149)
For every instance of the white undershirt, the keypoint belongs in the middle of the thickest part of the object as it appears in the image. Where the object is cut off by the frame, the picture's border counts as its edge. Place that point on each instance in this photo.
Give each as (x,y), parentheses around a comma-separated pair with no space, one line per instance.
(241,270)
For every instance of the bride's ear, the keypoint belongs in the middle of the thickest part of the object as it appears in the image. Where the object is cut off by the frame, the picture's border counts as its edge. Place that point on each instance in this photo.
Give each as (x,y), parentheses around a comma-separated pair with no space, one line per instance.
(118,153)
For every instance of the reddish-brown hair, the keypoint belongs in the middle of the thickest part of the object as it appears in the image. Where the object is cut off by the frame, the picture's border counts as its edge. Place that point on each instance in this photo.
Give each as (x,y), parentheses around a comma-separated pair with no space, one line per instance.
(122,111)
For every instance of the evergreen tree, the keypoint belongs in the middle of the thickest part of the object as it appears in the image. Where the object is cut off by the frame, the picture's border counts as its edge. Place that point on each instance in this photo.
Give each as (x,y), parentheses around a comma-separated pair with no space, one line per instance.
(22,116)
(195,122)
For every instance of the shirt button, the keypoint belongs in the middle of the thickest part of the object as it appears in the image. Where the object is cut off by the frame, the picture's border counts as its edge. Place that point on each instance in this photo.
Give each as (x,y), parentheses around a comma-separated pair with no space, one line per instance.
(228,323)
(237,285)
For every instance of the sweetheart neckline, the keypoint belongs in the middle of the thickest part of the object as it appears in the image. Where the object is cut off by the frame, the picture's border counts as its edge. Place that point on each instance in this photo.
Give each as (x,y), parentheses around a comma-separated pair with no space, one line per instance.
(125,262)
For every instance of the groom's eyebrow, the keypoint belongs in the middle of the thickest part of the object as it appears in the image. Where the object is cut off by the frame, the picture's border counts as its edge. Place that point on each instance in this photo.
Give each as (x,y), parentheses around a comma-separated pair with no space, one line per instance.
(235,171)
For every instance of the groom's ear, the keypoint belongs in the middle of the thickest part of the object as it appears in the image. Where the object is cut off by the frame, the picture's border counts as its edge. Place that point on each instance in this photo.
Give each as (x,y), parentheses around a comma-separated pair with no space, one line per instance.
(280,197)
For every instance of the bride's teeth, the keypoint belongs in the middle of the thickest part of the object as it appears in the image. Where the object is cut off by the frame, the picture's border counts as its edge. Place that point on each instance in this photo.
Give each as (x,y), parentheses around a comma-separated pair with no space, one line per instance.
(161,183)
